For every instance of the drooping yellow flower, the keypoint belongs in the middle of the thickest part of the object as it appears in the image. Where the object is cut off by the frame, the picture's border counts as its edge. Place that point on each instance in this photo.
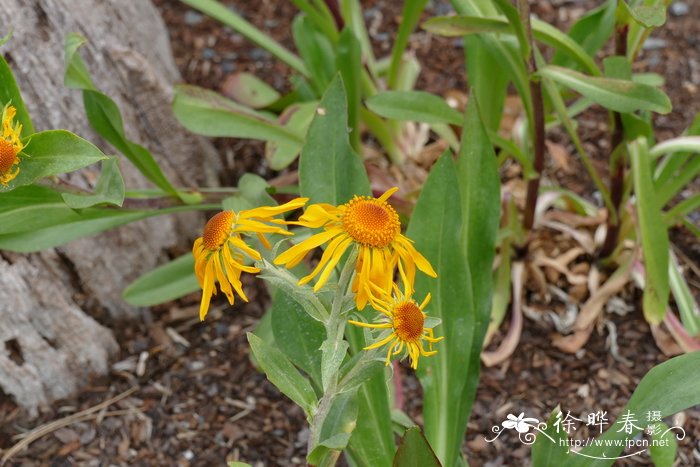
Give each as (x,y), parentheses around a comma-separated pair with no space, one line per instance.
(369,224)
(406,320)
(10,145)
(221,250)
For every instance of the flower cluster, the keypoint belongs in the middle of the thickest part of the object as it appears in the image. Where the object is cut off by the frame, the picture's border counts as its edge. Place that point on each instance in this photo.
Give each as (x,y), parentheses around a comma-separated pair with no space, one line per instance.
(369,225)
(10,145)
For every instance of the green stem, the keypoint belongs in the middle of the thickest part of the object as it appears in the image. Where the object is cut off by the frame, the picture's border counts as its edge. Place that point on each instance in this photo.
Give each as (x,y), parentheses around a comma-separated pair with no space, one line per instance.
(335,331)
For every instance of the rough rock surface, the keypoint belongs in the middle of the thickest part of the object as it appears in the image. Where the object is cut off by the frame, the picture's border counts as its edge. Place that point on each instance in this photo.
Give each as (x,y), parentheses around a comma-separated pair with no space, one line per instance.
(50,302)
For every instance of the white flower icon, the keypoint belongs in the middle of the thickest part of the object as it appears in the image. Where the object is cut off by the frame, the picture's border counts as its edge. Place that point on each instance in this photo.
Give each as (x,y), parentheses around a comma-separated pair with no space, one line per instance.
(520,423)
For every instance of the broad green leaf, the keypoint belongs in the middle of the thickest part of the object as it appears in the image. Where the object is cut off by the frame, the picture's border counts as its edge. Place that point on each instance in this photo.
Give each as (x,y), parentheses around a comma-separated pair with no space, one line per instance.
(297,334)
(543,32)
(252,192)
(415,451)
(251,91)
(372,441)
(233,20)
(591,31)
(106,119)
(416,106)
(53,152)
(337,427)
(33,207)
(409,18)
(207,113)
(109,188)
(664,447)
(65,227)
(688,308)
(614,94)
(648,16)
(652,233)
(10,94)
(488,77)
(349,64)
(546,452)
(297,118)
(479,187)
(282,374)
(329,170)
(668,388)
(437,229)
(332,356)
(167,282)
(316,51)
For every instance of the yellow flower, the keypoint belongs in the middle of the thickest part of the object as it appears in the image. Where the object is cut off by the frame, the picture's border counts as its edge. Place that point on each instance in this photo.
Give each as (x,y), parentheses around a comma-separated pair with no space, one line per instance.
(220,252)
(10,145)
(406,320)
(371,225)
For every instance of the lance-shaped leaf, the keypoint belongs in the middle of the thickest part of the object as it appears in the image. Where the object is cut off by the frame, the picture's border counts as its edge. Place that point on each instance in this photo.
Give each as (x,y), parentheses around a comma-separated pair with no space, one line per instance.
(108,190)
(164,283)
(336,428)
(10,94)
(53,152)
(415,451)
(282,373)
(614,94)
(416,106)
(653,234)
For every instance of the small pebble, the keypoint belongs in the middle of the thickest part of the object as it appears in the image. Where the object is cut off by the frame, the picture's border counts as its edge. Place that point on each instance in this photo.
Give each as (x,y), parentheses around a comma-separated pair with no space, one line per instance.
(679,9)
(192,18)
(189,455)
(654,43)
(208,53)
(257,53)
(196,365)
(228,66)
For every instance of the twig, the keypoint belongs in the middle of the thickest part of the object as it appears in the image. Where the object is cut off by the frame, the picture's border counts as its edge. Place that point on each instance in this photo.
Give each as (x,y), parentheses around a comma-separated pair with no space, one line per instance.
(43,430)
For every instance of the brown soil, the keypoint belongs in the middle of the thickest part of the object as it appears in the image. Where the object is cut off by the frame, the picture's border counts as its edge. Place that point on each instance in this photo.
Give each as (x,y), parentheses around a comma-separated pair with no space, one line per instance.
(197,399)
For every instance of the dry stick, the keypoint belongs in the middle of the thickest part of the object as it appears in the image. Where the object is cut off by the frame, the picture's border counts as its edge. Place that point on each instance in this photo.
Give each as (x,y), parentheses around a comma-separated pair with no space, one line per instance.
(50,427)
(617,162)
(533,186)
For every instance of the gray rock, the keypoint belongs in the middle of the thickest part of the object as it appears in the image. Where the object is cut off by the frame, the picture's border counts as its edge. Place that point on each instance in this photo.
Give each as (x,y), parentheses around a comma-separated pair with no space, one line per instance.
(679,9)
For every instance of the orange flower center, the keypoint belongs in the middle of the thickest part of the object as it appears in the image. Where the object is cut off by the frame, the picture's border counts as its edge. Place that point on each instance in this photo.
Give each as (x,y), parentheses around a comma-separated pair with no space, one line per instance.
(370,221)
(408,321)
(217,230)
(7,155)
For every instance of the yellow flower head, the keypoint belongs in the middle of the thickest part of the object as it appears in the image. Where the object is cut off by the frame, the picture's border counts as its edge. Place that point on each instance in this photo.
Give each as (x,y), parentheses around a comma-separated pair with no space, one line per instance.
(406,320)
(371,225)
(10,145)
(220,252)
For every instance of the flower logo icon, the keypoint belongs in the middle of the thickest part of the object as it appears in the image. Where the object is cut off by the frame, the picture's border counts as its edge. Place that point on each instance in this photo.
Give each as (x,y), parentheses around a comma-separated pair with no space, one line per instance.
(519,423)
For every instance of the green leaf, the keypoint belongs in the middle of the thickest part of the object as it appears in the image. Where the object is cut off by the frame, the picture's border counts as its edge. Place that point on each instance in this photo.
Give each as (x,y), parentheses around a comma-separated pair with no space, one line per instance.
(687,306)
(546,452)
(652,233)
(614,94)
(32,207)
(488,77)
(76,75)
(316,51)
(409,18)
(337,427)
(10,94)
(64,227)
(416,106)
(372,441)
(349,63)
(109,188)
(297,334)
(282,374)
(667,388)
(415,451)
(437,229)
(164,283)
(329,170)
(648,16)
(53,152)
(207,113)
(106,119)
(297,118)
(591,31)
(664,446)
(251,91)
